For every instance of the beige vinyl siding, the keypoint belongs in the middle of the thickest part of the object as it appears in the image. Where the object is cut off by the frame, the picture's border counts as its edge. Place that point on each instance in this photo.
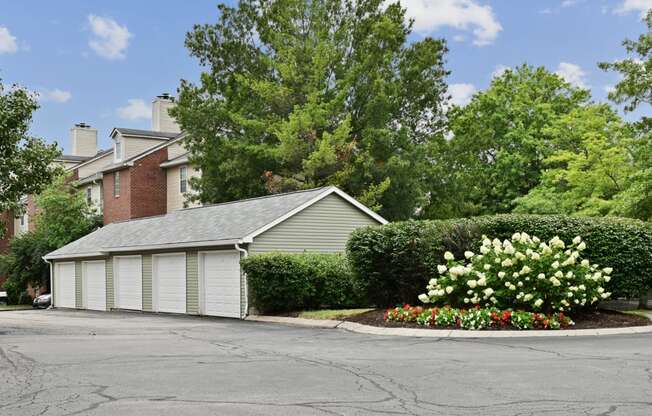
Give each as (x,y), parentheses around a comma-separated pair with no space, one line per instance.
(79,301)
(175,150)
(323,227)
(133,146)
(147,282)
(110,295)
(192,283)
(95,166)
(96,194)
(175,198)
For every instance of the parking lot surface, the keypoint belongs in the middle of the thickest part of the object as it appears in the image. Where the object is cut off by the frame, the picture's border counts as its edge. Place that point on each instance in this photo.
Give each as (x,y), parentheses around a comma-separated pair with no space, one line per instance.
(58,362)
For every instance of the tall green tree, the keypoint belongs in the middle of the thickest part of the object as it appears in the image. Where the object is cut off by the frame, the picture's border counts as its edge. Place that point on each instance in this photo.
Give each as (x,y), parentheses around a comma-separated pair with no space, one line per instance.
(499,143)
(25,162)
(590,168)
(63,216)
(632,91)
(635,87)
(305,93)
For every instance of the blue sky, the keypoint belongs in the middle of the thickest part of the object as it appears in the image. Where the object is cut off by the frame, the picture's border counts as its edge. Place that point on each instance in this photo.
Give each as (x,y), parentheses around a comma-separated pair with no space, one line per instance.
(102,62)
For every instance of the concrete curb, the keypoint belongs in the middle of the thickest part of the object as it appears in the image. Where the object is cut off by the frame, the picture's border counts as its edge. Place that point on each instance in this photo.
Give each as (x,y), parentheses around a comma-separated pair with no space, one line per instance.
(314,323)
(446,333)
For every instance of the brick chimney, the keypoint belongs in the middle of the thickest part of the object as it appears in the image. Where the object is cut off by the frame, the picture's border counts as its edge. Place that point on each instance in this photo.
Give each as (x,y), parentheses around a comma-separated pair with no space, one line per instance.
(83,140)
(161,119)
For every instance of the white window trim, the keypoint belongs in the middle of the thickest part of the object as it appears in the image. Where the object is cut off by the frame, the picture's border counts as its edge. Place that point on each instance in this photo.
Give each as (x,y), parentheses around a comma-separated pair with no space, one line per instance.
(116,184)
(118,145)
(183,181)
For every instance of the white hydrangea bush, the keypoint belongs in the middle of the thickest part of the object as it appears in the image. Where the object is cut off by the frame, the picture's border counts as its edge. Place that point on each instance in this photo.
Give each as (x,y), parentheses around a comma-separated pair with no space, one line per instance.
(521,273)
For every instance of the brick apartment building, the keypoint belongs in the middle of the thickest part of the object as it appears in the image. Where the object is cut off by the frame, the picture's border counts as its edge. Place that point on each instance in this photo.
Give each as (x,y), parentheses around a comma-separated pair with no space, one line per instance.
(144,173)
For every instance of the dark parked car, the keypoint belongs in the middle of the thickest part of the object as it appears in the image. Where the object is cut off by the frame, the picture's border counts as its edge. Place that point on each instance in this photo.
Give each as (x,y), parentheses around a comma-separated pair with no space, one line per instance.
(42,301)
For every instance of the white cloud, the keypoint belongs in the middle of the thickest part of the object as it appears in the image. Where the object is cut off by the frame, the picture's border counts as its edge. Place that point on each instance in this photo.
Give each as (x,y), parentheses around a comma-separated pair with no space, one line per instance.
(499,70)
(56,95)
(135,109)
(467,15)
(7,41)
(461,94)
(110,40)
(570,3)
(573,74)
(628,6)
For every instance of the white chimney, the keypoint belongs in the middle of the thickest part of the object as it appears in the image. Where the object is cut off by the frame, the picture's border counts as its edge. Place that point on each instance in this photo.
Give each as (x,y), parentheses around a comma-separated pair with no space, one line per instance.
(83,139)
(161,119)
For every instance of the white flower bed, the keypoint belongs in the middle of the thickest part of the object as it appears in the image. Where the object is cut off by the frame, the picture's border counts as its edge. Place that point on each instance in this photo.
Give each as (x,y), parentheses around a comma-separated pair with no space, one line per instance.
(523,272)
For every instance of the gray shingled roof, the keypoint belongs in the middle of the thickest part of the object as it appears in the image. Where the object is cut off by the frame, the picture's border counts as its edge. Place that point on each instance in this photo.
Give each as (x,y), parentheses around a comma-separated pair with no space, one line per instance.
(214,225)
(146,133)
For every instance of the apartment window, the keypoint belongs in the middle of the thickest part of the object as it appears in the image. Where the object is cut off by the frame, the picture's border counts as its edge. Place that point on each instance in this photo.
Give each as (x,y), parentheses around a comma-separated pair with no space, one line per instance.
(183,179)
(116,184)
(118,149)
(22,220)
(89,195)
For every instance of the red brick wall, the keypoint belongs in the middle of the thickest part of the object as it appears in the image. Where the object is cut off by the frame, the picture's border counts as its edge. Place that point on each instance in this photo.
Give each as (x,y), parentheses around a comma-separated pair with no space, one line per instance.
(149,185)
(117,209)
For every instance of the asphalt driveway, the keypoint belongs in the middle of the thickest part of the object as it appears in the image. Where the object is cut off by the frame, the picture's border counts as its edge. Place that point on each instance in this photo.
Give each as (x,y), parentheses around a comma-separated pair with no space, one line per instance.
(67,363)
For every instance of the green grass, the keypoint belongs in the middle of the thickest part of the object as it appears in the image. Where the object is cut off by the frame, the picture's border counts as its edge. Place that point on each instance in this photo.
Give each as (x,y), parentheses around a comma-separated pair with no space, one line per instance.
(331,313)
(14,307)
(645,313)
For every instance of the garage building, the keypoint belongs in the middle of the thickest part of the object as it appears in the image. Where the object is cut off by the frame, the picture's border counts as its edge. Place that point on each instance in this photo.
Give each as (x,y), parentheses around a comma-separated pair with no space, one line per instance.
(188,261)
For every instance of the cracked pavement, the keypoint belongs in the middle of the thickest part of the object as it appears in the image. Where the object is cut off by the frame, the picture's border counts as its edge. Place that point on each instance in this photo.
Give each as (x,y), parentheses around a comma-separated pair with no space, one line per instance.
(84,363)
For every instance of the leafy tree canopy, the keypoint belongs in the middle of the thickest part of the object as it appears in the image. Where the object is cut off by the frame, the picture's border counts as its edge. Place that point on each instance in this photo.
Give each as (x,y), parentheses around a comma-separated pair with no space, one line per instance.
(25,162)
(500,141)
(302,93)
(63,216)
(591,166)
(635,88)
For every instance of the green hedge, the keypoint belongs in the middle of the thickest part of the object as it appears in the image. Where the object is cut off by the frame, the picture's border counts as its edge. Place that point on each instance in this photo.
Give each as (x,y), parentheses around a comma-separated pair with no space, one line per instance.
(394,262)
(289,282)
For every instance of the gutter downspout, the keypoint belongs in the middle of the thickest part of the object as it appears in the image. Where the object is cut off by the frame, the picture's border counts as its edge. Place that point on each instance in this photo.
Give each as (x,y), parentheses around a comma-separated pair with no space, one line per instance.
(51,282)
(246,285)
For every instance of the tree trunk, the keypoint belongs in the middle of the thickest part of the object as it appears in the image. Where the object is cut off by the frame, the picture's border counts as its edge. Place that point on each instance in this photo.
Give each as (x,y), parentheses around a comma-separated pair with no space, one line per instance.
(644,299)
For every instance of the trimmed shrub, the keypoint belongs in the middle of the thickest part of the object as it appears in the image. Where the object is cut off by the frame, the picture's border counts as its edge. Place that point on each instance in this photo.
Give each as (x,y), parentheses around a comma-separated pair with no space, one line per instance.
(280,282)
(394,262)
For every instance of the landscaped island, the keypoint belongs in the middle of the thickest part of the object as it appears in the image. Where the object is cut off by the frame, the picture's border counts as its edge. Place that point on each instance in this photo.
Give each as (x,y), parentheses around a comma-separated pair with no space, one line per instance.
(497,272)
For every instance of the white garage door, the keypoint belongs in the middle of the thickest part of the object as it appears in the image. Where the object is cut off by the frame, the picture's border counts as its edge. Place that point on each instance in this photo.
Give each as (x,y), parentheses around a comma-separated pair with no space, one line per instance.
(94,285)
(169,283)
(220,283)
(128,281)
(64,289)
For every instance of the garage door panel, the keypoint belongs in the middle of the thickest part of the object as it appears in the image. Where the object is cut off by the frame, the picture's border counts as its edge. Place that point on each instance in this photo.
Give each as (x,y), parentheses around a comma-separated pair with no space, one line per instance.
(94,275)
(169,283)
(64,290)
(221,284)
(129,282)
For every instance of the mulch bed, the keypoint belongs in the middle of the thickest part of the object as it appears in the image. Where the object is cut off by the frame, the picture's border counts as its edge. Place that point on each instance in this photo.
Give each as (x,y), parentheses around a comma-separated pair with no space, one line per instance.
(583,320)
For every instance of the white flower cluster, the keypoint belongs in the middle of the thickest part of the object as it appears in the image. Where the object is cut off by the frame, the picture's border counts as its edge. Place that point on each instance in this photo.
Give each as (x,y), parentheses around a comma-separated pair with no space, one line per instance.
(521,272)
